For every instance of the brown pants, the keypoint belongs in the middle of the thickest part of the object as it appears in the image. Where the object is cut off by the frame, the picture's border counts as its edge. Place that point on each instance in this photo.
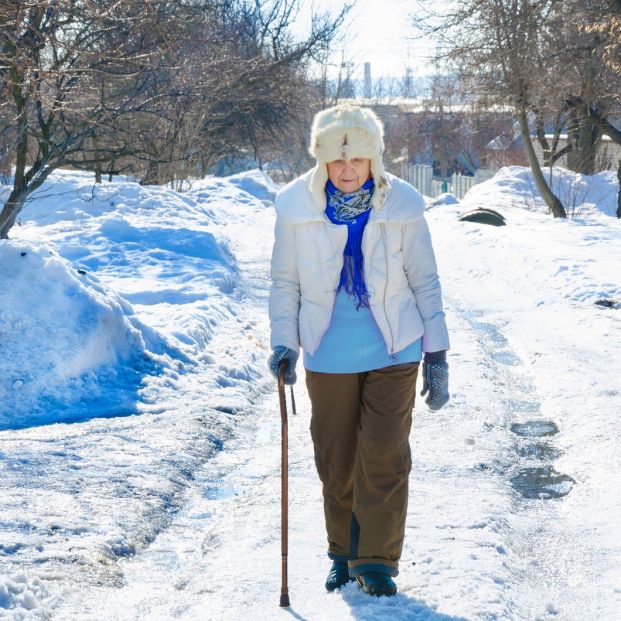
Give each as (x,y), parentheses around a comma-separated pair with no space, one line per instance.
(360,426)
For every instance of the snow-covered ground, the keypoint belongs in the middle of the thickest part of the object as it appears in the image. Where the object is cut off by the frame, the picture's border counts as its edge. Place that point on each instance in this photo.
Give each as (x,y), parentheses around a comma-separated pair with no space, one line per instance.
(139,427)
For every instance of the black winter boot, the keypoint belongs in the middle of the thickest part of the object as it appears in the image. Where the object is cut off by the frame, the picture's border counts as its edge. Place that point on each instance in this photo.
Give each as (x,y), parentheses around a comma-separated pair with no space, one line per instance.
(376,583)
(338,576)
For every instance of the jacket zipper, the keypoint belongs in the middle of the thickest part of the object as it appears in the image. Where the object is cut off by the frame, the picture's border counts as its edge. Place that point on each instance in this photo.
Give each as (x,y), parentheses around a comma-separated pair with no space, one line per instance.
(392,338)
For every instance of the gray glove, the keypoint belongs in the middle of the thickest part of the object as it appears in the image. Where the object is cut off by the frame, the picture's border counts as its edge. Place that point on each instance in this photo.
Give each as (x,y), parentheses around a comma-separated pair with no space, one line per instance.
(283,353)
(435,379)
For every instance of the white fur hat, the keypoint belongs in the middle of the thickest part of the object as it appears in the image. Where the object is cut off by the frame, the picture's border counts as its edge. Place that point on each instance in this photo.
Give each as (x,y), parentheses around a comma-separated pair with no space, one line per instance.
(345,132)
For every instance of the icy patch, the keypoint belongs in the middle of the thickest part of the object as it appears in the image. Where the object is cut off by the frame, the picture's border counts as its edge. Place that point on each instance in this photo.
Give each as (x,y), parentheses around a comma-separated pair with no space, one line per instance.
(498,344)
(218,490)
(542,483)
(535,428)
(522,405)
(538,451)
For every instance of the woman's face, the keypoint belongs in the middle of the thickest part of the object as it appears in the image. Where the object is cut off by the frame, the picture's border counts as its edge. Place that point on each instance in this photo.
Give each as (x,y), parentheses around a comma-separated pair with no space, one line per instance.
(349,175)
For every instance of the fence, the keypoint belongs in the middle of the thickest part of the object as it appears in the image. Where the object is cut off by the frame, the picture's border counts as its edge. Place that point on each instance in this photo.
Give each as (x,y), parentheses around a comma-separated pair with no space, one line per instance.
(421,177)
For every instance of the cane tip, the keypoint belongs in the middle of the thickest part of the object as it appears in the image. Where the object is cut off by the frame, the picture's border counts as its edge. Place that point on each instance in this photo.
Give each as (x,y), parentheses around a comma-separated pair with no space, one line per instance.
(284,600)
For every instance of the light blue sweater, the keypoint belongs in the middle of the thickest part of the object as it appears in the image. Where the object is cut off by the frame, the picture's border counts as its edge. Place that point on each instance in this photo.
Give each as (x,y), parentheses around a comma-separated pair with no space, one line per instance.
(353,343)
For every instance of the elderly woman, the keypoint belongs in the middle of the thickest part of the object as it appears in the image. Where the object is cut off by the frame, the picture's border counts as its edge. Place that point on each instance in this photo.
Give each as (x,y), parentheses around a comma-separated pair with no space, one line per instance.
(355,284)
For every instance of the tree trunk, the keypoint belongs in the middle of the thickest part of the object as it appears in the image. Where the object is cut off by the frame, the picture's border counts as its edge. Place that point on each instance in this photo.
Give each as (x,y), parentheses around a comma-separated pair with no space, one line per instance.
(619,195)
(5,168)
(151,175)
(585,136)
(541,137)
(15,202)
(552,201)
(9,213)
(96,156)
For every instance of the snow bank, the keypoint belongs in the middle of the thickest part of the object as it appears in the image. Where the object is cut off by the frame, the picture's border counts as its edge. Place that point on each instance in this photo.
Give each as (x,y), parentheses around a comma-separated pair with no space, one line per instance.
(255,182)
(156,280)
(442,199)
(514,186)
(241,191)
(156,247)
(243,188)
(62,333)
(22,596)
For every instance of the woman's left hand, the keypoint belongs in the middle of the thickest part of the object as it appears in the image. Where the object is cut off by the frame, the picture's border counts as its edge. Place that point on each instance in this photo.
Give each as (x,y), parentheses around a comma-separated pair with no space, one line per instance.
(435,380)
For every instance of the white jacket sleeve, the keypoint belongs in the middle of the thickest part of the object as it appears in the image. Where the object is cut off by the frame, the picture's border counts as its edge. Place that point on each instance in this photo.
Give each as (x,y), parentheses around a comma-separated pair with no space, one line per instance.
(284,300)
(422,273)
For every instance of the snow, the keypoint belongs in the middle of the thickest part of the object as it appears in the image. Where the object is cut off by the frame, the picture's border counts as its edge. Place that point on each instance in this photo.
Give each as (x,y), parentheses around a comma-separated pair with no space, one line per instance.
(257,183)
(22,595)
(140,433)
(254,182)
(72,346)
(514,186)
(443,199)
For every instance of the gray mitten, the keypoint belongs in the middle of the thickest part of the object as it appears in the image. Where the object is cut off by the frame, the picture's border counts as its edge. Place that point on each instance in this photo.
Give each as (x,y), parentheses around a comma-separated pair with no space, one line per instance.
(283,353)
(435,379)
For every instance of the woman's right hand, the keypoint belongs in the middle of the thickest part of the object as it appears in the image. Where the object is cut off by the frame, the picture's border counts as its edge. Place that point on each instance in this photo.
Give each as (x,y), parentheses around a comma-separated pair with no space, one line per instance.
(280,353)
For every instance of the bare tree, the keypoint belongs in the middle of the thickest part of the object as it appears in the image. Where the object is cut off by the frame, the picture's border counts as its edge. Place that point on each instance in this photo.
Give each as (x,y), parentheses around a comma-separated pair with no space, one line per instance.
(257,96)
(557,63)
(75,71)
(606,23)
(496,47)
(598,22)
(151,86)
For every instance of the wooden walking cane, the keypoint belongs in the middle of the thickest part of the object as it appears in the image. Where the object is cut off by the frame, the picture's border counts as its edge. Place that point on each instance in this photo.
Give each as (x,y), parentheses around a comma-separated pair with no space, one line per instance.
(284,591)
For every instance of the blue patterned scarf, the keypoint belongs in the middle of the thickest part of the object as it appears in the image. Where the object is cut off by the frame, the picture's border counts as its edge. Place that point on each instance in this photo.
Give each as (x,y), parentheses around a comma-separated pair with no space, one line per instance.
(353,210)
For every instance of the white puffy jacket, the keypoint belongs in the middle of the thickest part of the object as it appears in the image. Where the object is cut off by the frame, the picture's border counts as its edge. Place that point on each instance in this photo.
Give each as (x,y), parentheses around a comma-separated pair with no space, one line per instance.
(399,269)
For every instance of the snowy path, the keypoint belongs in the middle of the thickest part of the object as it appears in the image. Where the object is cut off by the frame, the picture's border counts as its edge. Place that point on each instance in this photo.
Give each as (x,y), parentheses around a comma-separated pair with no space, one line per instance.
(475,548)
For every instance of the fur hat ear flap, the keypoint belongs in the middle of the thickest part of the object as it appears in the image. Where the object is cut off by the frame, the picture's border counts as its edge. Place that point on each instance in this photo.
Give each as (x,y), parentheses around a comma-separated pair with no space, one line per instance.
(318,180)
(345,132)
(381,183)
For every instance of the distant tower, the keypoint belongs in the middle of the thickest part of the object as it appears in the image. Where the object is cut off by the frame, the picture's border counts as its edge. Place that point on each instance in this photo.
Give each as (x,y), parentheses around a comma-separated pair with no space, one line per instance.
(367,80)
(407,83)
